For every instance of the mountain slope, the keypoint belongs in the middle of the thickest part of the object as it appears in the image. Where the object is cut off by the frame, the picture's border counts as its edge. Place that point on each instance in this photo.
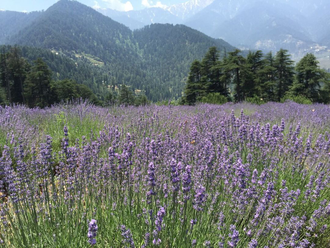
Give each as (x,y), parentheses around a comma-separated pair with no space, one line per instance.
(154,60)
(265,26)
(122,17)
(268,24)
(11,22)
(169,51)
(69,25)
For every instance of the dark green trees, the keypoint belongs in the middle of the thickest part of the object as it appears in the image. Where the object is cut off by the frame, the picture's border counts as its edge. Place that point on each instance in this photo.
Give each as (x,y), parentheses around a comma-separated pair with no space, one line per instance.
(126,96)
(33,85)
(253,71)
(194,88)
(284,71)
(308,79)
(37,90)
(256,78)
(13,72)
(235,65)
(266,86)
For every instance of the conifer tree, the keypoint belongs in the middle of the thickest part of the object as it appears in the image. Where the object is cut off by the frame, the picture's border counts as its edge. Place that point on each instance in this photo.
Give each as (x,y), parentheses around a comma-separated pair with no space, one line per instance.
(194,87)
(254,66)
(308,79)
(235,65)
(126,96)
(267,84)
(284,71)
(37,87)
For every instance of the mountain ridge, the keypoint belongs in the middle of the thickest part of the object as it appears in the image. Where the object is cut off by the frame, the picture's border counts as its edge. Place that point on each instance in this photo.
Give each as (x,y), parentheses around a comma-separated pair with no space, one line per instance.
(121,55)
(217,19)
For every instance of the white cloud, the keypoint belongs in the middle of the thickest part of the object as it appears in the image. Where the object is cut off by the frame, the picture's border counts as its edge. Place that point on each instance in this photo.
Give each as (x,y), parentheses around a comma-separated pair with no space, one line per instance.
(96,6)
(150,4)
(118,5)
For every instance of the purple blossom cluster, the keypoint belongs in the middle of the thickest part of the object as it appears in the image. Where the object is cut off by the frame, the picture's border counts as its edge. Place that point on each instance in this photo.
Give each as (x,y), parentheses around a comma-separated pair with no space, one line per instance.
(235,175)
(92,231)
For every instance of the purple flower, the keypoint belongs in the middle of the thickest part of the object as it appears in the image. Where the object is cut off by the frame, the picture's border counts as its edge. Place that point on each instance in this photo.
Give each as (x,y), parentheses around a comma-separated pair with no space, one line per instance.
(151,182)
(159,218)
(253,243)
(186,182)
(200,198)
(92,231)
(127,235)
(234,236)
(174,175)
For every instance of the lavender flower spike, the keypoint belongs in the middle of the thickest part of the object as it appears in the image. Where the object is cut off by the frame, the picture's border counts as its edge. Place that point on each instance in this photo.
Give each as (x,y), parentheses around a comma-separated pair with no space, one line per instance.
(92,231)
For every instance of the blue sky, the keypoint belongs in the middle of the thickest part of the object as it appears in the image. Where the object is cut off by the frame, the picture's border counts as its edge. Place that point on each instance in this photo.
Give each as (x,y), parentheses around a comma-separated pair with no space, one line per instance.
(31,5)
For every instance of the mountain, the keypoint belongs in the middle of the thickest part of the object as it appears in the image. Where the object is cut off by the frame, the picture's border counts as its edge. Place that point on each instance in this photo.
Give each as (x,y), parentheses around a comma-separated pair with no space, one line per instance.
(154,60)
(169,50)
(173,14)
(11,21)
(255,24)
(136,19)
(188,9)
(72,26)
(265,26)
(64,67)
(121,17)
(300,26)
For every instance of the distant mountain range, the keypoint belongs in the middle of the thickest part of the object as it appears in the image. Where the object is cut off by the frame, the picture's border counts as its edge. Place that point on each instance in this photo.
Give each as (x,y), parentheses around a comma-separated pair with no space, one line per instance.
(154,60)
(296,25)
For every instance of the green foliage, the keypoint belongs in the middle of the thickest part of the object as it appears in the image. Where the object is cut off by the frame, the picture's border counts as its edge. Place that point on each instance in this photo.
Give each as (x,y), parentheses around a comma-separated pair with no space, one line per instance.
(255,100)
(126,96)
(284,72)
(308,79)
(256,79)
(103,53)
(298,99)
(37,86)
(214,98)
(141,100)
(194,87)
(3,98)
(34,85)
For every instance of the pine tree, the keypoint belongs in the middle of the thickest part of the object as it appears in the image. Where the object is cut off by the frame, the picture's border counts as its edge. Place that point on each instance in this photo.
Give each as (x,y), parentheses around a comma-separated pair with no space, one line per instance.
(37,87)
(236,66)
(18,68)
(4,75)
(308,79)
(126,96)
(267,83)
(211,72)
(194,88)
(284,73)
(254,66)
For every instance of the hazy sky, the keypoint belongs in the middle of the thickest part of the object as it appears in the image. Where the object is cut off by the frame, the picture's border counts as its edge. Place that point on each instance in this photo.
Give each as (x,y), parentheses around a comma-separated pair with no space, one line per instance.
(31,5)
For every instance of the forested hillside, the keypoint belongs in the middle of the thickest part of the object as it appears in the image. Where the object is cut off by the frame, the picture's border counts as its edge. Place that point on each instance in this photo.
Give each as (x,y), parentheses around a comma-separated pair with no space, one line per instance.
(169,50)
(153,61)
(11,22)
(29,80)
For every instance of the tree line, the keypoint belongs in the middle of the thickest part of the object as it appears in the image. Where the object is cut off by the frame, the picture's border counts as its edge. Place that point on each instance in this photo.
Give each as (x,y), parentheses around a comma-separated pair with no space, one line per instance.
(256,78)
(32,84)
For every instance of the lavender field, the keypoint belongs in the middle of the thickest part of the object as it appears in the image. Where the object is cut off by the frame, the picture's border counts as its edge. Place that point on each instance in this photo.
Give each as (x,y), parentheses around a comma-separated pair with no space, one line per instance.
(233,175)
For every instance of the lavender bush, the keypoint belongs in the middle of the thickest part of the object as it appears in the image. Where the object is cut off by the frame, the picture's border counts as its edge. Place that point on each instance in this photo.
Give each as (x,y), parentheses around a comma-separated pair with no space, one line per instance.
(235,175)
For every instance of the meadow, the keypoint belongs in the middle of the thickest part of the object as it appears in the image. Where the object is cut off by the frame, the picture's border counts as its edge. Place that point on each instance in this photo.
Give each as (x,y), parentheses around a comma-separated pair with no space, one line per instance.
(232,175)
